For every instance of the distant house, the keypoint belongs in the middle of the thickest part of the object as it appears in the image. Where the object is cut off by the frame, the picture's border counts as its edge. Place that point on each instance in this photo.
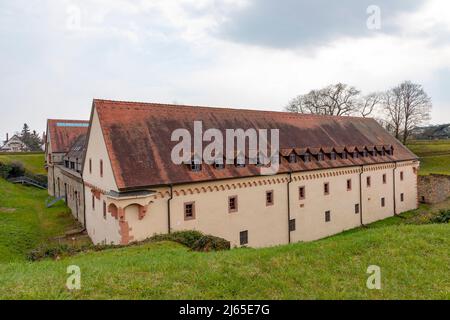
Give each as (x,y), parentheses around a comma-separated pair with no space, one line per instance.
(15,144)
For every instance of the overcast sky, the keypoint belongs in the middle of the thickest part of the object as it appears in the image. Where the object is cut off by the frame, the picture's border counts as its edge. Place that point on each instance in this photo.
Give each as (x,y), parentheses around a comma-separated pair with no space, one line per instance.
(57,55)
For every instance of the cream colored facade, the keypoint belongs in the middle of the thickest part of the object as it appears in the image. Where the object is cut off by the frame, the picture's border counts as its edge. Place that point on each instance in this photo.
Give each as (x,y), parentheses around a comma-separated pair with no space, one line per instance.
(113,219)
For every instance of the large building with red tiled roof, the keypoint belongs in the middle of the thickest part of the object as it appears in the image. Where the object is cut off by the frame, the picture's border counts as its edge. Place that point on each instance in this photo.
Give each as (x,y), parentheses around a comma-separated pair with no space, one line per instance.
(335,173)
(64,150)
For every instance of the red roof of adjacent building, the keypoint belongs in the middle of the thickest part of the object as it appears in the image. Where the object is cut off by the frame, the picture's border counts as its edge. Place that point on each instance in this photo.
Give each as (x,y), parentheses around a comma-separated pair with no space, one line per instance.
(138,140)
(63,133)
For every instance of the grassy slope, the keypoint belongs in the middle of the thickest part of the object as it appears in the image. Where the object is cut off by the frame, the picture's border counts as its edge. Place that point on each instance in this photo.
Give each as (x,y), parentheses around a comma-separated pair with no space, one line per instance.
(32,162)
(414,263)
(434,156)
(30,223)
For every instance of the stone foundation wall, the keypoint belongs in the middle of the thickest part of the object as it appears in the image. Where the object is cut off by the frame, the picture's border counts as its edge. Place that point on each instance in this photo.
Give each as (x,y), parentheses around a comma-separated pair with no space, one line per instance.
(434,188)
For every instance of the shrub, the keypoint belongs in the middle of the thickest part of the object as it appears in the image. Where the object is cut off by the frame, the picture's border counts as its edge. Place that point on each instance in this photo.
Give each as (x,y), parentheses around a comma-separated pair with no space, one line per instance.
(11,170)
(187,238)
(17,169)
(194,240)
(443,217)
(210,243)
(54,251)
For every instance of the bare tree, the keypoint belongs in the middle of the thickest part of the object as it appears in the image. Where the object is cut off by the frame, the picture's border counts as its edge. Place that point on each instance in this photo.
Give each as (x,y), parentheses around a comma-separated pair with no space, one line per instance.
(416,105)
(392,108)
(339,100)
(369,103)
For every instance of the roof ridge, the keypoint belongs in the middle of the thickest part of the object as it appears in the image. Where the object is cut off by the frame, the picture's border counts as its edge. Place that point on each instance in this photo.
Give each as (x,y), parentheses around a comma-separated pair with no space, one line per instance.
(226,109)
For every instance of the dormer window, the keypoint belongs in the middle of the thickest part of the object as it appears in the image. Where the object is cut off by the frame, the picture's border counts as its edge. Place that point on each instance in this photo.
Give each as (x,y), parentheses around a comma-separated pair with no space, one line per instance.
(374,153)
(333,155)
(383,153)
(355,154)
(344,155)
(292,158)
(365,154)
(196,165)
(320,156)
(307,157)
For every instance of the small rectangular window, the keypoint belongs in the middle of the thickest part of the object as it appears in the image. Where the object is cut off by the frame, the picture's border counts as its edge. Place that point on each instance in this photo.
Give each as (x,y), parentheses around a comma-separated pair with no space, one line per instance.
(326,188)
(383,202)
(269,198)
(189,211)
(292,158)
(101,168)
(384,179)
(93,202)
(243,238)
(349,184)
(327,216)
(401,175)
(104,210)
(357,208)
(292,225)
(90,166)
(306,158)
(302,193)
(402,197)
(369,181)
(232,204)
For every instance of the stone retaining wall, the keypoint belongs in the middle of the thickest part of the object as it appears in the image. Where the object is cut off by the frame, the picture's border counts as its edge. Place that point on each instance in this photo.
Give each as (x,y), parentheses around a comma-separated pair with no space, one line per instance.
(434,188)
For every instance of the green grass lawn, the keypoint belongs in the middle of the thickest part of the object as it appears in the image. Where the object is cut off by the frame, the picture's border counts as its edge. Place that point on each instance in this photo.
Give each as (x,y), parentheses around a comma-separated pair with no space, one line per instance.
(25,222)
(32,162)
(413,259)
(434,156)
(414,262)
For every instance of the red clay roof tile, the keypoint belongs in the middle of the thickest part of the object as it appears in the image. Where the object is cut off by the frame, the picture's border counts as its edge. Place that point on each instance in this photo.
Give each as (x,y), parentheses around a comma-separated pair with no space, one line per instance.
(138,139)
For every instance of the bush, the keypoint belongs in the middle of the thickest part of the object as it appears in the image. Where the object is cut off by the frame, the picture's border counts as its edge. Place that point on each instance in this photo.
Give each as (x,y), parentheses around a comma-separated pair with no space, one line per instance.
(211,243)
(194,240)
(187,238)
(11,170)
(443,217)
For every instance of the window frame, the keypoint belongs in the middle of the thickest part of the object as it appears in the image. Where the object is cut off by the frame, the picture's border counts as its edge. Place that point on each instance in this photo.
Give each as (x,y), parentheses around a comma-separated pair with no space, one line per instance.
(349,185)
(402,197)
(192,214)
(368,181)
(243,237)
(302,189)
(328,216)
(236,207)
(383,202)
(101,168)
(357,208)
(326,188)
(272,202)
(292,225)
(384,178)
